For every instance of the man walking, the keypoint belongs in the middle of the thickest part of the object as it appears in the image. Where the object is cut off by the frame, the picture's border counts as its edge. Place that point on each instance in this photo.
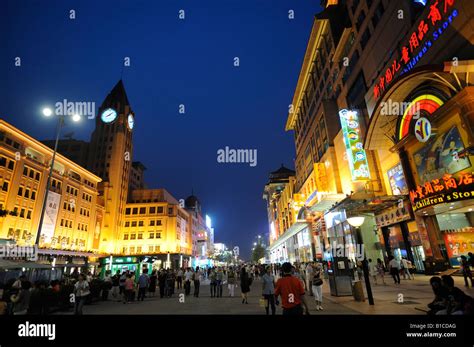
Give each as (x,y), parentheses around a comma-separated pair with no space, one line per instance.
(394,266)
(197,281)
(143,283)
(292,293)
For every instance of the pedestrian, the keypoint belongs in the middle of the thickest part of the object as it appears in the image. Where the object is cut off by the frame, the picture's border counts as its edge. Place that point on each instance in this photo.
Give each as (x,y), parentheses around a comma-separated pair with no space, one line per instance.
(244,284)
(308,278)
(143,283)
(466,271)
(106,285)
(116,285)
(219,281)
(197,281)
(213,282)
(188,275)
(380,270)
(128,289)
(152,285)
(122,280)
(471,259)
(81,292)
(394,267)
(231,281)
(268,290)
(317,284)
(179,278)
(21,300)
(292,293)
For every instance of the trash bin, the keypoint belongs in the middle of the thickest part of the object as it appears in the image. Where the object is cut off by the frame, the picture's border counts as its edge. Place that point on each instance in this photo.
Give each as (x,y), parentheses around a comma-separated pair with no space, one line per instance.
(358,291)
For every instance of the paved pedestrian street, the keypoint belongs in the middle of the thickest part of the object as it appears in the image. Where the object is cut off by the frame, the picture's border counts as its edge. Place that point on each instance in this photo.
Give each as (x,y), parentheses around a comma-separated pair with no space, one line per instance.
(415,294)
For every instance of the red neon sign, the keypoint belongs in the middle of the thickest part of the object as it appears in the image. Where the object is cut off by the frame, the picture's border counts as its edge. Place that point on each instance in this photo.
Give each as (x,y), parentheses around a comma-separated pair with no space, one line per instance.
(417,41)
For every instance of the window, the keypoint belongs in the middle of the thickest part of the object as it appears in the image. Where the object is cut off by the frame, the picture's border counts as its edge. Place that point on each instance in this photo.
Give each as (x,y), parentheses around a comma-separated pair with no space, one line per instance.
(132,250)
(170,210)
(139,249)
(151,236)
(20,191)
(160,209)
(27,193)
(140,223)
(33,195)
(135,210)
(133,236)
(5,186)
(28,215)
(127,224)
(10,165)
(152,223)
(158,222)
(127,210)
(22,213)
(134,223)
(152,210)
(124,250)
(37,176)
(125,236)
(3,161)
(142,210)
(158,235)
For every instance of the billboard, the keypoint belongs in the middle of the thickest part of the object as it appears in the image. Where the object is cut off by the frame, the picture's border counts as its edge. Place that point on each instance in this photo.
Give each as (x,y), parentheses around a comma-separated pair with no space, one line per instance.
(50,217)
(356,155)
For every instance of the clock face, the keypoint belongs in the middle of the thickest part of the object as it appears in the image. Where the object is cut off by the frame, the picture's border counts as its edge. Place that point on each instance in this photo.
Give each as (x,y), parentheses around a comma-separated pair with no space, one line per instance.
(130,121)
(109,115)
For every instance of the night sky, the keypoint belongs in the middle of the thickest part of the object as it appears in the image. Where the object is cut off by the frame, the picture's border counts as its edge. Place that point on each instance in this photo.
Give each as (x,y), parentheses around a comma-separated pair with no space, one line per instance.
(173,62)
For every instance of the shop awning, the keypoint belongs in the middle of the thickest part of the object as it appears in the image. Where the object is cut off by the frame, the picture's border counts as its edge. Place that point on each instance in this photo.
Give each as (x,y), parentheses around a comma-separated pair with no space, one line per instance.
(327,200)
(293,230)
(368,205)
(7,264)
(69,253)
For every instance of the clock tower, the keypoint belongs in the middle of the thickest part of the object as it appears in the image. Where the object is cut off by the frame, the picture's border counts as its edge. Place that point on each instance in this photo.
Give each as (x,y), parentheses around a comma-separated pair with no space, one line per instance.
(110,157)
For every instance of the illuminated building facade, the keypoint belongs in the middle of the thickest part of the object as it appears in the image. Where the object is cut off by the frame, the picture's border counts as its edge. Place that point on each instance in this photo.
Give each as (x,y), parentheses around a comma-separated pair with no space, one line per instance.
(379,160)
(75,212)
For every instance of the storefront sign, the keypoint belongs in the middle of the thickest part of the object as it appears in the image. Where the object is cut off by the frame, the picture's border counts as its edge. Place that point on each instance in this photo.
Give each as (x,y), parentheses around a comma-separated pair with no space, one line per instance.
(393,215)
(356,155)
(439,17)
(397,180)
(445,190)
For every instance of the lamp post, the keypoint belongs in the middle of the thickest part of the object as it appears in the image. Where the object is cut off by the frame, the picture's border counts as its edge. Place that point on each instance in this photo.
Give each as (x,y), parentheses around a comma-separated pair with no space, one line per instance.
(356,222)
(47,112)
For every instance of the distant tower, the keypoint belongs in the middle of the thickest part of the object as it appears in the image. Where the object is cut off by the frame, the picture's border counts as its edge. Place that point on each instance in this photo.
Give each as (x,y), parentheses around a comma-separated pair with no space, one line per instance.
(110,157)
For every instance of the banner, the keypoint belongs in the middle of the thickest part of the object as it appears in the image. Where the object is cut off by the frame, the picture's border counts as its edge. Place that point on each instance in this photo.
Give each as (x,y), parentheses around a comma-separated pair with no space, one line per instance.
(50,217)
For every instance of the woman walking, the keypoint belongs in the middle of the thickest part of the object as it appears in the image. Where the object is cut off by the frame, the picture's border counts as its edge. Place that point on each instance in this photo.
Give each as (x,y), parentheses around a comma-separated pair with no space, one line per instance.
(244,284)
(231,281)
(213,284)
(380,270)
(268,290)
(317,284)
(129,289)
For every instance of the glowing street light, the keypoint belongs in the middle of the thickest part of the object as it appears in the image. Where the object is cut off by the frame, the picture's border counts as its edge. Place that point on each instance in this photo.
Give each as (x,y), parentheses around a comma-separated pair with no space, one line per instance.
(47,112)
(76,118)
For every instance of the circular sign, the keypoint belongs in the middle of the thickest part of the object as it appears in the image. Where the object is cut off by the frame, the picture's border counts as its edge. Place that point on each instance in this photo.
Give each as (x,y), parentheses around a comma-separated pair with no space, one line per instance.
(109,115)
(352,135)
(422,129)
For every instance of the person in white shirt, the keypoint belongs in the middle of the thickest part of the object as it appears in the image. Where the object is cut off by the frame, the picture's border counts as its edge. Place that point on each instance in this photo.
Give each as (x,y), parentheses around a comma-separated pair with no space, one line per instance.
(197,281)
(394,266)
(407,265)
(188,275)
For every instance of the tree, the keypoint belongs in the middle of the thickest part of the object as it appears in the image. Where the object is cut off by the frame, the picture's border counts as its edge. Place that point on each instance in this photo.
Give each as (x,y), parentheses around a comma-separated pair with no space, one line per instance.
(258,253)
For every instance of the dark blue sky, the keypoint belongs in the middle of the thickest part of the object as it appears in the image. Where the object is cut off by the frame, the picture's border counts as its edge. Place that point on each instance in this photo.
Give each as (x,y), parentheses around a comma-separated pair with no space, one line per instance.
(173,62)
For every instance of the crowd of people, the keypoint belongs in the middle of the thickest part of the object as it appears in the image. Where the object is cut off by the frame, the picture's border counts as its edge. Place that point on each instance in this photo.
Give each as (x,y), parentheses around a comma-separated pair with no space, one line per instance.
(285,283)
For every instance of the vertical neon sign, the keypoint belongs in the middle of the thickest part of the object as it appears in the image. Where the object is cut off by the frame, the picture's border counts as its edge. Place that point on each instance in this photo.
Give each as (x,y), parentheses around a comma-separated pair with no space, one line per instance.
(356,155)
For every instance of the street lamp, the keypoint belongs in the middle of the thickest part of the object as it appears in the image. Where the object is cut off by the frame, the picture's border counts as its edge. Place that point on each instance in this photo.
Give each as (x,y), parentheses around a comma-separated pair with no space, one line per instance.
(47,112)
(356,222)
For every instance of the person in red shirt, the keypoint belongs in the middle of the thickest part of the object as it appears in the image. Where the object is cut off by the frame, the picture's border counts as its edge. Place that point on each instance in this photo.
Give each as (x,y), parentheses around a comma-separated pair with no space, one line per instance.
(291,291)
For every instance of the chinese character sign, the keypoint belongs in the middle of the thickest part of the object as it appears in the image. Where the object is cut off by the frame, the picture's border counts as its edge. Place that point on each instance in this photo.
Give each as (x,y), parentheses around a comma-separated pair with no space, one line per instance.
(356,155)
(436,19)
